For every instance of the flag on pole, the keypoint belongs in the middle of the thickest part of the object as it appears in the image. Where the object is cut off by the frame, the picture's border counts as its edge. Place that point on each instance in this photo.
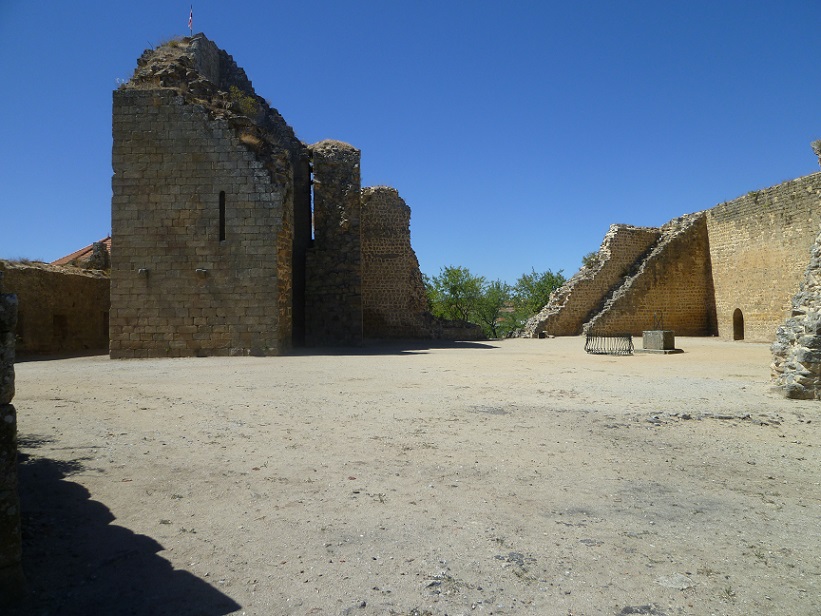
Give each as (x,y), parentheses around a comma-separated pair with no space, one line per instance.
(191,21)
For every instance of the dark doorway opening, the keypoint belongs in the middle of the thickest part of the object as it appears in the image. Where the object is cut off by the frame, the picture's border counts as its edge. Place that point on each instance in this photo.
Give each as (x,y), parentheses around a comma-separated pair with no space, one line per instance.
(738,325)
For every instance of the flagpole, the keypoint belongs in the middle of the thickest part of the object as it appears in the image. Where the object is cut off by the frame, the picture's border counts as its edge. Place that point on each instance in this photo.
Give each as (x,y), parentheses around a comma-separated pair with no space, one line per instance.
(191,21)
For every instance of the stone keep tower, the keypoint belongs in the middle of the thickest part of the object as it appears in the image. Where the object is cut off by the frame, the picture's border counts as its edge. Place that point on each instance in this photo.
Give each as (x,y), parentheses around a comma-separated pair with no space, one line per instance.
(210,211)
(219,249)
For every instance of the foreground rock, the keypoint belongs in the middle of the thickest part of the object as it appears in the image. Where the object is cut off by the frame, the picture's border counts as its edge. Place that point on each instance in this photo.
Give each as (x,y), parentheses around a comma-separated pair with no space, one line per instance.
(796,363)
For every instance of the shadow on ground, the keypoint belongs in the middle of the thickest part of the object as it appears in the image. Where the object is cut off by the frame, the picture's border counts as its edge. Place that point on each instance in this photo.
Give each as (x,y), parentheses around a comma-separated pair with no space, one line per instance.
(393,347)
(23,356)
(76,561)
(370,347)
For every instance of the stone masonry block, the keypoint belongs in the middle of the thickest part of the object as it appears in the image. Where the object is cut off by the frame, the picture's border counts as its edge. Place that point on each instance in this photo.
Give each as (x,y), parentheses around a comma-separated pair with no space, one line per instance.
(659,341)
(6,367)
(11,573)
(8,313)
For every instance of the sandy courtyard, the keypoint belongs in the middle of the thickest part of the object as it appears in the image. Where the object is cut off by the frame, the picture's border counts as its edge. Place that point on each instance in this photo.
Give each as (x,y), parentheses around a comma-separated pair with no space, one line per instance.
(513,477)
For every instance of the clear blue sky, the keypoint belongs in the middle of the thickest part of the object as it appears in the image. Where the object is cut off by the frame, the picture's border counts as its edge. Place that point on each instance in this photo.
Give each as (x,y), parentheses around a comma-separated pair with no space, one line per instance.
(516,131)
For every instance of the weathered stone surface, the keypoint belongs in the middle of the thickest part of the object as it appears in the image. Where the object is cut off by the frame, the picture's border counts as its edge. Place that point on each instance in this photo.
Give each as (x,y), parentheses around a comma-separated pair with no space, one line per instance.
(99,259)
(393,293)
(333,302)
(796,366)
(9,506)
(8,309)
(60,309)
(658,340)
(639,274)
(6,367)
(759,244)
(8,325)
(11,572)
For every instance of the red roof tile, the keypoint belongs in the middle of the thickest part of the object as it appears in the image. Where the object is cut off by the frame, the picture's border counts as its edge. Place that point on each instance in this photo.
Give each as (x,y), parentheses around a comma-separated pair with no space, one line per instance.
(83,253)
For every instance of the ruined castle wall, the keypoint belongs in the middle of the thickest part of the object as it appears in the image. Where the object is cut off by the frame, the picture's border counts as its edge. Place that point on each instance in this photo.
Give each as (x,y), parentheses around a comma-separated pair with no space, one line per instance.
(572,304)
(11,572)
(333,294)
(393,294)
(217,66)
(672,283)
(202,231)
(759,245)
(61,309)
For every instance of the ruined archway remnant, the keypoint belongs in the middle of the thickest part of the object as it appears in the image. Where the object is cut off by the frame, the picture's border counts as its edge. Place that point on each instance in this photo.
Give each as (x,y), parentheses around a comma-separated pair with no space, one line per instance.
(796,365)
(738,324)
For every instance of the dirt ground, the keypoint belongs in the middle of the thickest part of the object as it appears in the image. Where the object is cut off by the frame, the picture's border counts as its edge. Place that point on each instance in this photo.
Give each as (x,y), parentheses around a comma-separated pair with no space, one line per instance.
(511,477)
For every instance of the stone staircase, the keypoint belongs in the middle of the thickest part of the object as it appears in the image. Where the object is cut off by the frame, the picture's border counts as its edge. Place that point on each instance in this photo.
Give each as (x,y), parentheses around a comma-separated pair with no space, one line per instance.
(615,302)
(639,273)
(572,304)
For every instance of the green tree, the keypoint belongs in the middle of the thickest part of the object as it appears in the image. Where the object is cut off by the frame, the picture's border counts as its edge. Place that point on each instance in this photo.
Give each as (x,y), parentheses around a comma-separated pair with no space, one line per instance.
(496,298)
(455,293)
(496,306)
(532,291)
(429,290)
(591,259)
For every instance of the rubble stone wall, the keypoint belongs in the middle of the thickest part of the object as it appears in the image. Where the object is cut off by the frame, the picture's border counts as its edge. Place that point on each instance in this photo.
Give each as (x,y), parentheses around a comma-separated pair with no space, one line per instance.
(393,293)
(217,66)
(61,309)
(11,572)
(333,294)
(197,219)
(671,283)
(796,365)
(572,304)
